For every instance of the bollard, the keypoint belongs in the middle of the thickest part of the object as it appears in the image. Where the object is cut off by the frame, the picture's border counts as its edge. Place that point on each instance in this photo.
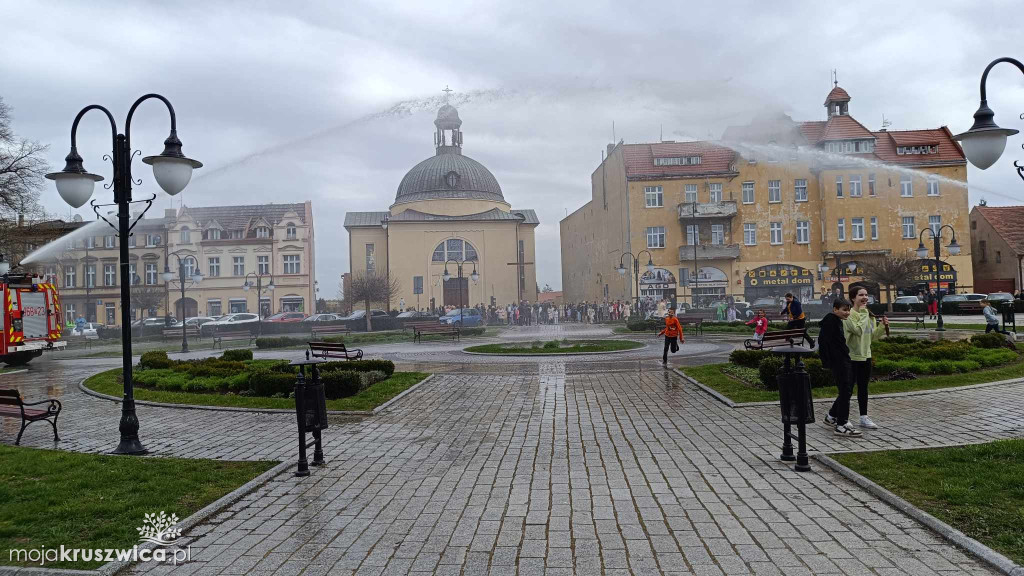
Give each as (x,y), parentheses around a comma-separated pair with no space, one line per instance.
(310,414)
(796,403)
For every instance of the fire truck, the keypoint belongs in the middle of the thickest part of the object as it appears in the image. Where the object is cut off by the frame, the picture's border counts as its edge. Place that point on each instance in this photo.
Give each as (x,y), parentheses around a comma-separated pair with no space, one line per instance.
(31,318)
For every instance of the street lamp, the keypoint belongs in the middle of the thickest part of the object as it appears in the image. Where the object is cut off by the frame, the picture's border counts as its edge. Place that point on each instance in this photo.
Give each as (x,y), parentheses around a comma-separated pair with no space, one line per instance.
(636,270)
(985,141)
(259,295)
(922,253)
(196,277)
(172,171)
(387,258)
(447,276)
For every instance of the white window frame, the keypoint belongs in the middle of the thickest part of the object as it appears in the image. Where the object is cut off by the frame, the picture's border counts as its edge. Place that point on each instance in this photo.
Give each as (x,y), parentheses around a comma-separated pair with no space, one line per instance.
(110,241)
(291,231)
(715,192)
(717,234)
(238,265)
(775,233)
(803,232)
(654,197)
(800,190)
(906,187)
(933,187)
(186,235)
(857,229)
(692,234)
(150,269)
(292,264)
(262,232)
(745,188)
(749,234)
(69,276)
(871,185)
(90,275)
(263,264)
(110,274)
(874,228)
(213,263)
(855,189)
(908,225)
(841,230)
(775,191)
(689,193)
(839,186)
(935,222)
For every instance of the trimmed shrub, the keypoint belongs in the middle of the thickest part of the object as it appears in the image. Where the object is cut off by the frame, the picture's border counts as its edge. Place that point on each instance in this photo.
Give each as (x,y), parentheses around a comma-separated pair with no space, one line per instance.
(473,331)
(820,376)
(645,325)
(551,345)
(885,366)
(748,358)
(990,340)
(155,359)
(237,355)
(767,370)
(370,378)
(341,383)
(279,342)
(385,366)
(966,366)
(267,383)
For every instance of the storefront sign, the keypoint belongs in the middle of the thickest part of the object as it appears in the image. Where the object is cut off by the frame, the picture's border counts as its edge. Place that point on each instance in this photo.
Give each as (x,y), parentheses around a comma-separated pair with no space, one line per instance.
(778,275)
(925,272)
(711,277)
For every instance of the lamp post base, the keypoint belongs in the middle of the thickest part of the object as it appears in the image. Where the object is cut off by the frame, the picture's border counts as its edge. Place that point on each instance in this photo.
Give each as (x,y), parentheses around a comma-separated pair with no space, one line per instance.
(129,428)
(130,446)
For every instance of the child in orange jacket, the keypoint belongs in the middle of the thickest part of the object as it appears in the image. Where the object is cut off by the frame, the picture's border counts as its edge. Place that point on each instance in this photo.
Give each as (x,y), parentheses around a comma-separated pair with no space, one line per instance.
(673,330)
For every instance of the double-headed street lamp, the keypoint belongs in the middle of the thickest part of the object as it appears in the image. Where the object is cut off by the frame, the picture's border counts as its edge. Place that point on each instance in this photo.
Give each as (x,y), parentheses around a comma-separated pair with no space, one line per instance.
(172,171)
(447,276)
(183,279)
(922,253)
(387,258)
(259,295)
(636,270)
(985,141)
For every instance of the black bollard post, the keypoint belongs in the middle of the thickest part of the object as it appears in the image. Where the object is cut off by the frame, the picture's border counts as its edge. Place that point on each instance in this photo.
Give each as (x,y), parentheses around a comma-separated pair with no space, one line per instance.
(300,413)
(787,431)
(318,450)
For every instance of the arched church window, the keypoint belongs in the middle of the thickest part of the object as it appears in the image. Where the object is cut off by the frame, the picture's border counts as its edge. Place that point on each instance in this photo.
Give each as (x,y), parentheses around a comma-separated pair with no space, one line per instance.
(454,249)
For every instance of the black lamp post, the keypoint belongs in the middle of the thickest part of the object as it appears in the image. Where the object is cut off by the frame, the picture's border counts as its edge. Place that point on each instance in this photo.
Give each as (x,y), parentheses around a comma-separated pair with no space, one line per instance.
(195,278)
(447,276)
(922,253)
(172,171)
(387,259)
(259,295)
(636,270)
(984,143)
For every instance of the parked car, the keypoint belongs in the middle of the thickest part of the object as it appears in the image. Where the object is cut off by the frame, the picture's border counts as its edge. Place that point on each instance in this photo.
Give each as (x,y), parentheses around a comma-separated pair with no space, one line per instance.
(971,297)
(321,318)
(286,317)
(194,321)
(957,298)
(89,330)
(1000,297)
(361,314)
(465,317)
(414,314)
(766,302)
(239,320)
(907,300)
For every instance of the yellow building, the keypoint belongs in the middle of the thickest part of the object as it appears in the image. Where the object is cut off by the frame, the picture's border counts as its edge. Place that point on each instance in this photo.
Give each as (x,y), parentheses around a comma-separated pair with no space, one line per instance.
(761,216)
(448,208)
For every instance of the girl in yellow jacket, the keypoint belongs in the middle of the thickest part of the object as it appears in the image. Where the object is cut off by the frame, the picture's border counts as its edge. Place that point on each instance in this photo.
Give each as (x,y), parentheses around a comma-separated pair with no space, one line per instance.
(860,329)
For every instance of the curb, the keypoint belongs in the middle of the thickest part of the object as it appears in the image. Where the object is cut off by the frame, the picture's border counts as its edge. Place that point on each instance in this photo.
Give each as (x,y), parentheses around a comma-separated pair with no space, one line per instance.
(407,391)
(958,538)
(717,395)
(560,354)
(102,396)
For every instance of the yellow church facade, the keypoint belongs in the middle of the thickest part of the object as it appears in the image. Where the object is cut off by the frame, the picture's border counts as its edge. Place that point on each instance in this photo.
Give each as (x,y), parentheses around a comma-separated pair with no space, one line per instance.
(449,211)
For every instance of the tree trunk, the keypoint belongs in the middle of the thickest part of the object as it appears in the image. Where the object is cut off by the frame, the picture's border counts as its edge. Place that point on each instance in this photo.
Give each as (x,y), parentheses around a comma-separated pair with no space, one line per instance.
(369,325)
(888,297)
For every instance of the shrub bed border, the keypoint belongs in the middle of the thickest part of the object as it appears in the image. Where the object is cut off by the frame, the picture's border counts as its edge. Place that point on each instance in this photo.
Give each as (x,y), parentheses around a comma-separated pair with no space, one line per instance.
(643,346)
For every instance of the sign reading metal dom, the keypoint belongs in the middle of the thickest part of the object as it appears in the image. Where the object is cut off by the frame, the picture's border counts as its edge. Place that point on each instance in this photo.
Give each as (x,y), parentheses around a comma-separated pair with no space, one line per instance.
(778,276)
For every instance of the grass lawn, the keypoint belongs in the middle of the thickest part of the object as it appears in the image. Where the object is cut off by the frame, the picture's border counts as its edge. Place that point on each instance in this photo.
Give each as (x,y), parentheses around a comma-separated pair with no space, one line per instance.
(379,393)
(567,347)
(975,489)
(712,376)
(51,497)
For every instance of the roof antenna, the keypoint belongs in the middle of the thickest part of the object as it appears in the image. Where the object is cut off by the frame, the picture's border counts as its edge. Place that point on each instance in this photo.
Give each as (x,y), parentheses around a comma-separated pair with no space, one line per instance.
(661,132)
(613,132)
(885,122)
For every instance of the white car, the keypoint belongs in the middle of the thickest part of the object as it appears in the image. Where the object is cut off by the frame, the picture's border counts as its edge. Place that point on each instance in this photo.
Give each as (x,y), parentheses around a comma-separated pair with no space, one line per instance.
(321,318)
(906,300)
(88,330)
(239,320)
(195,321)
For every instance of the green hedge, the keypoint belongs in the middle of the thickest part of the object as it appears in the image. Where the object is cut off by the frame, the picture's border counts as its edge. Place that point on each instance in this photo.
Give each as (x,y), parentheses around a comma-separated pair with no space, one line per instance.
(748,358)
(990,340)
(341,384)
(237,355)
(155,359)
(279,342)
(270,383)
(385,366)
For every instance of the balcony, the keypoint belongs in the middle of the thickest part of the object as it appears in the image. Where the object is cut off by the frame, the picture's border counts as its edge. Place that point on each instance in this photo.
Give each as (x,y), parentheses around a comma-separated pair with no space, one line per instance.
(725,209)
(709,252)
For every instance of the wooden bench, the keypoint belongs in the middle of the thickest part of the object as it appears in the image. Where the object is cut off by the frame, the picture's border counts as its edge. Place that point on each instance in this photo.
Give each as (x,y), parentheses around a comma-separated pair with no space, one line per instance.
(12,405)
(333,350)
(421,328)
(770,339)
(915,317)
(969,307)
(319,331)
(190,331)
(697,321)
(220,337)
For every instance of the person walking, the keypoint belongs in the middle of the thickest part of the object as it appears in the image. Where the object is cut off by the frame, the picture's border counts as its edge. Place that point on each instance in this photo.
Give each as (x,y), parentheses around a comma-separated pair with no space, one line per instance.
(673,330)
(760,323)
(991,319)
(835,355)
(795,312)
(860,329)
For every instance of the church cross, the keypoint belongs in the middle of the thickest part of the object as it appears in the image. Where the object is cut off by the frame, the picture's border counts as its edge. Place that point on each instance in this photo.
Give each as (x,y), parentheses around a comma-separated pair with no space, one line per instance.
(447,92)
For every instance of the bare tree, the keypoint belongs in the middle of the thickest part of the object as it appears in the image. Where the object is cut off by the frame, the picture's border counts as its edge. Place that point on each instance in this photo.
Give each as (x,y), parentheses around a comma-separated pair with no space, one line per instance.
(146,297)
(22,168)
(371,288)
(891,270)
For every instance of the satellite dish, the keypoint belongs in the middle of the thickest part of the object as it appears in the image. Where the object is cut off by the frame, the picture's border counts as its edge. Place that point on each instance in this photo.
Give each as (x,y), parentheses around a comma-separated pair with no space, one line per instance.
(76,218)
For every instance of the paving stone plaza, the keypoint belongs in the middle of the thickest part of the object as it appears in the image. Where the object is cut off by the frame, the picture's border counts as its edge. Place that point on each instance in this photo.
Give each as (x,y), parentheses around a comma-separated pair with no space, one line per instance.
(584,465)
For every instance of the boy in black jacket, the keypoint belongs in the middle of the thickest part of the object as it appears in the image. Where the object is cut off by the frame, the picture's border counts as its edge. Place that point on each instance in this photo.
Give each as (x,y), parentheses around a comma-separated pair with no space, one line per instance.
(836,356)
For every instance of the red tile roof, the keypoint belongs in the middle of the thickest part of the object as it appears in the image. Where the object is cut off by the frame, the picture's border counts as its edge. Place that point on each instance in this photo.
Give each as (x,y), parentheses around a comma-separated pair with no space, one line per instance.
(812,130)
(844,128)
(639,159)
(915,137)
(837,95)
(949,149)
(1006,221)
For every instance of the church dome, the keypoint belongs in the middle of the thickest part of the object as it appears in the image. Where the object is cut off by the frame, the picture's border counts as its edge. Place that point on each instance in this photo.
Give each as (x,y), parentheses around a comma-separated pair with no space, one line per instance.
(448,174)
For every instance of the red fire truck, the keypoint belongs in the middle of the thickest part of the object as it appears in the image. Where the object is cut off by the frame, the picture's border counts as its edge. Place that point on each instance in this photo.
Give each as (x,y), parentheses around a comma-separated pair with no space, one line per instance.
(31,318)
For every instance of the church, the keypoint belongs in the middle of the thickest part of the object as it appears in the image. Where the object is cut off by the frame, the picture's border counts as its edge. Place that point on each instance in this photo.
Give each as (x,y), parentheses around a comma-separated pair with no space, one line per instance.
(449,211)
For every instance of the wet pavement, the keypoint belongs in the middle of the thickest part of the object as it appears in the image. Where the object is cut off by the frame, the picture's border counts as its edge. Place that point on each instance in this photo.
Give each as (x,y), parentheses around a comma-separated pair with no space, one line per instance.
(585,465)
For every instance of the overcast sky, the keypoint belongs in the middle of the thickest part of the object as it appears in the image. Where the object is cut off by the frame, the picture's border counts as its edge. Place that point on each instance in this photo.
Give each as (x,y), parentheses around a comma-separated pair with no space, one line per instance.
(538,86)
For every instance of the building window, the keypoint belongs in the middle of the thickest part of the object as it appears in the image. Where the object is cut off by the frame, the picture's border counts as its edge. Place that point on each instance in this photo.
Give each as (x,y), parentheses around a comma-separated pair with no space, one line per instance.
(716,193)
(111,313)
(800,190)
(774,191)
(692,235)
(654,197)
(906,186)
(151,273)
(841,230)
(775,233)
(190,267)
(678,161)
(69,277)
(981,245)
(803,232)
(750,234)
(90,242)
(871,184)
(238,263)
(132,276)
(109,242)
(263,232)
(292,304)
(90,275)
(213,308)
(718,234)
(656,237)
(935,222)
(131,241)
(999,256)
(291,264)
(290,232)
(152,240)
(214,234)
(933,187)
(874,228)
(748,192)
(454,249)
(371,259)
(908,227)
(109,274)
(855,186)
(236,305)
(237,234)
(186,235)
(214,266)
(51,274)
(690,194)
(417,284)
(69,313)
(839,186)
(263,264)
(857,228)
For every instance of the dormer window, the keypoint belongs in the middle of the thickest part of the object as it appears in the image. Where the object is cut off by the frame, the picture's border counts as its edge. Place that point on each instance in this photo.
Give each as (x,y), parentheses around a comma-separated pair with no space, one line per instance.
(678,161)
(906,150)
(186,236)
(237,234)
(290,231)
(263,232)
(213,234)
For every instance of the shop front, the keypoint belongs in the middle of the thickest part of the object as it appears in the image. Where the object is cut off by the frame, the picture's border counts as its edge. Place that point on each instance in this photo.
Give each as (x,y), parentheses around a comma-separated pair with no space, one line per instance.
(847,274)
(924,277)
(775,280)
(710,286)
(658,284)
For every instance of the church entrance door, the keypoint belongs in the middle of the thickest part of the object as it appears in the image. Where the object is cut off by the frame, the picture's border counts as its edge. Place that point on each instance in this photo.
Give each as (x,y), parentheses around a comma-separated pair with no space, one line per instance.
(451,292)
